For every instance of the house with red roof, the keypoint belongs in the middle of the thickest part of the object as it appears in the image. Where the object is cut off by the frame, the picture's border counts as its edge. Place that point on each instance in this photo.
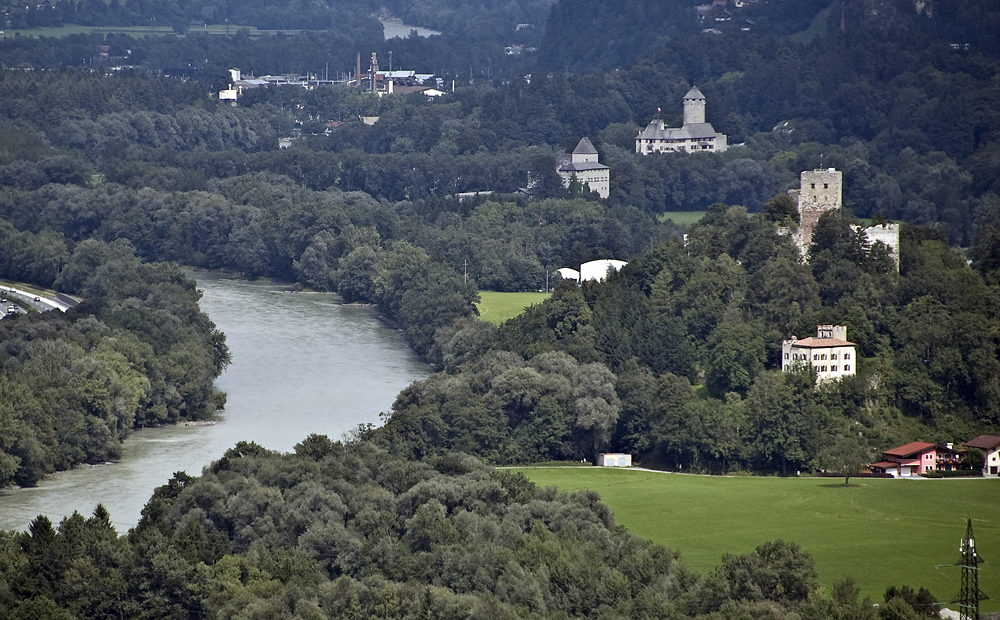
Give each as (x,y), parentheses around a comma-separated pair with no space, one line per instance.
(909,460)
(990,445)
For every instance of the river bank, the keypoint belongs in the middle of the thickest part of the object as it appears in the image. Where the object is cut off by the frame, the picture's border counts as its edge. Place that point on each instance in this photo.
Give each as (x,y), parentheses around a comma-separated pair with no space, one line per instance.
(301,364)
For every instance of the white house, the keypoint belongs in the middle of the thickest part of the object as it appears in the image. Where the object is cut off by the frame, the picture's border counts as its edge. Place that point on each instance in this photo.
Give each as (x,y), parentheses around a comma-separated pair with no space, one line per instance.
(829,353)
(583,165)
(694,136)
(990,445)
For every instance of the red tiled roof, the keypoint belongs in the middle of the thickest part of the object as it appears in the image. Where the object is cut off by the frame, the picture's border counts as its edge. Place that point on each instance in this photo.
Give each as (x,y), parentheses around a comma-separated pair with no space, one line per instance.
(887,465)
(984,442)
(821,343)
(909,449)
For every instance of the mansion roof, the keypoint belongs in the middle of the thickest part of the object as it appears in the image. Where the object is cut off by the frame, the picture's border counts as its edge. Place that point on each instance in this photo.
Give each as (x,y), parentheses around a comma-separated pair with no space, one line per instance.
(820,343)
(582,166)
(691,131)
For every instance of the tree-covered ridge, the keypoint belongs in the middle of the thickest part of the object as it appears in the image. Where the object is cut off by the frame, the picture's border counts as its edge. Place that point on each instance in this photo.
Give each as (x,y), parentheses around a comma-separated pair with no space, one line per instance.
(404,257)
(910,122)
(713,312)
(137,352)
(345,530)
(345,21)
(591,35)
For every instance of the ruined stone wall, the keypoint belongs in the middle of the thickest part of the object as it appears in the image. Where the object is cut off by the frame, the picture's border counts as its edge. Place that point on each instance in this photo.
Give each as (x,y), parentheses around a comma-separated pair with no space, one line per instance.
(887,234)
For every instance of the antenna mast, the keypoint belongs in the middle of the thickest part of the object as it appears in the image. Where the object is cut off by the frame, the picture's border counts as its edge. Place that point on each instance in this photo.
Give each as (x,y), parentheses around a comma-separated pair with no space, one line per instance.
(969,595)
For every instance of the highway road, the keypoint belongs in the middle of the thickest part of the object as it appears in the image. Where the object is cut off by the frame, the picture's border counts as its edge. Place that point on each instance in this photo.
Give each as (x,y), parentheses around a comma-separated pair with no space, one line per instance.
(45,301)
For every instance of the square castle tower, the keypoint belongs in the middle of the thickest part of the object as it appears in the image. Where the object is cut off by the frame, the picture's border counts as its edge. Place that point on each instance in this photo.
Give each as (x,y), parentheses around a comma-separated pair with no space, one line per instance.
(821,191)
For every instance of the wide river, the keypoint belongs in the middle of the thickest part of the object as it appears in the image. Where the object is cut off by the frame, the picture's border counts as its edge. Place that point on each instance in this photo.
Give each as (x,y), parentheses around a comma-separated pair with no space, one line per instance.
(302,363)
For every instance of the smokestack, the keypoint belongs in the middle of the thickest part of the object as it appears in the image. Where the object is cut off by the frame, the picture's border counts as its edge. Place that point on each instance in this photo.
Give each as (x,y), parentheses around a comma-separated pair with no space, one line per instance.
(357,73)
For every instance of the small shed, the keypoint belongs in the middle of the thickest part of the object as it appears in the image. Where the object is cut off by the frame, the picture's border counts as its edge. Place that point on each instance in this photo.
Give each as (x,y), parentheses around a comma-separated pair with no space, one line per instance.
(614,459)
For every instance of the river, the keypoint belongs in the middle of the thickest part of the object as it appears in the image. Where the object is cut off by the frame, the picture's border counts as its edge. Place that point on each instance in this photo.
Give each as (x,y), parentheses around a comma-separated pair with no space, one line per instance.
(302,363)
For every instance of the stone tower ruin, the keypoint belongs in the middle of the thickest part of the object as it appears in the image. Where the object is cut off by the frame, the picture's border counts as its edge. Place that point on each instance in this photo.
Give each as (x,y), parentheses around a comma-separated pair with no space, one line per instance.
(819,191)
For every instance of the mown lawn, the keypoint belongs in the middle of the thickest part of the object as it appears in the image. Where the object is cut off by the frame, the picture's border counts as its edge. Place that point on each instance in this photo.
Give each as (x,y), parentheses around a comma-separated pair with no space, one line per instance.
(881,532)
(685,218)
(498,307)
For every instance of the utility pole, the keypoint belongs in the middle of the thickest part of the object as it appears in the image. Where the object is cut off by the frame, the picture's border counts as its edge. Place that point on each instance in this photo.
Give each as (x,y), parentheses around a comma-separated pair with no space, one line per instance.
(969,595)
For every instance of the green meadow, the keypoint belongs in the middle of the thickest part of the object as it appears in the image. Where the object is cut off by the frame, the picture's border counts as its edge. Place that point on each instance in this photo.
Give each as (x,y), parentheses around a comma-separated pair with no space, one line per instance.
(880,532)
(684,218)
(135,31)
(498,307)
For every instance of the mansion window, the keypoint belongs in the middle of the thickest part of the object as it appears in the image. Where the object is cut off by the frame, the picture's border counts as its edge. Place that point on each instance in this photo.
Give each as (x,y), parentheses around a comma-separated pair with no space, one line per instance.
(847,367)
(847,356)
(833,368)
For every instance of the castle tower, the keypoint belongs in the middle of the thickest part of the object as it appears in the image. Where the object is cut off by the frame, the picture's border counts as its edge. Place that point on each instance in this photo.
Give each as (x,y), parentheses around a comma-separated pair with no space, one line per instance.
(819,191)
(694,106)
(584,152)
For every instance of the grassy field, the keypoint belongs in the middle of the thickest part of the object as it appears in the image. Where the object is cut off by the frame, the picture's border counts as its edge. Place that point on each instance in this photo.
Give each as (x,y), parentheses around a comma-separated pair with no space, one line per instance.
(881,532)
(498,307)
(135,31)
(685,218)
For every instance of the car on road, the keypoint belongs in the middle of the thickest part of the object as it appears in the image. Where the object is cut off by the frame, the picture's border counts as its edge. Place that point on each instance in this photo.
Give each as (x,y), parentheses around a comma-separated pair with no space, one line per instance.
(38,299)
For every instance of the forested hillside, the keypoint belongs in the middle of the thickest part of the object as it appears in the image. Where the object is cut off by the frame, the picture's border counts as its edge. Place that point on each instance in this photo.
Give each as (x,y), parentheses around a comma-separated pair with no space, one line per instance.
(348,20)
(612,367)
(588,34)
(138,352)
(675,359)
(366,210)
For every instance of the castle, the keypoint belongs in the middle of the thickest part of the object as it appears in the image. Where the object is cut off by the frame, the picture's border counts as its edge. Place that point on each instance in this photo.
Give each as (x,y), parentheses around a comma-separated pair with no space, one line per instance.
(821,191)
(582,163)
(694,136)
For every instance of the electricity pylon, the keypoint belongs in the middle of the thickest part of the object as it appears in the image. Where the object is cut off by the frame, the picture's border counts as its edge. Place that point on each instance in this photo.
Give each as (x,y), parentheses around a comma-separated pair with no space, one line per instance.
(970,595)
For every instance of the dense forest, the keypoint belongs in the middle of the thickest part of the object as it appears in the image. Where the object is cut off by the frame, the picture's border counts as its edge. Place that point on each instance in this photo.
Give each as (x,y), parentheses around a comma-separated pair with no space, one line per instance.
(111,177)
(345,530)
(137,352)
(616,366)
